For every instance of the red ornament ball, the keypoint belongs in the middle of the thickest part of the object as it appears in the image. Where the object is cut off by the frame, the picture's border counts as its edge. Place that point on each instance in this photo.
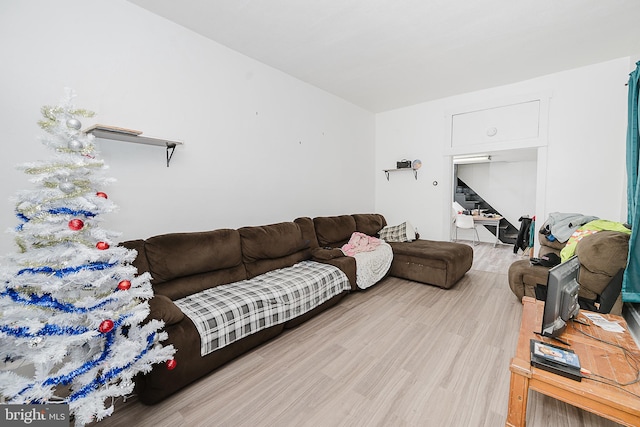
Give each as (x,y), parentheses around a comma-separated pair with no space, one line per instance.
(102,246)
(76,224)
(101,194)
(171,364)
(106,326)
(124,285)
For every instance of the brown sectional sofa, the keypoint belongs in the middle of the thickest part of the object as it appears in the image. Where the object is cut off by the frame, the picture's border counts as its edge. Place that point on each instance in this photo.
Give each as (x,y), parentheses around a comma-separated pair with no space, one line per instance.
(182,264)
(601,256)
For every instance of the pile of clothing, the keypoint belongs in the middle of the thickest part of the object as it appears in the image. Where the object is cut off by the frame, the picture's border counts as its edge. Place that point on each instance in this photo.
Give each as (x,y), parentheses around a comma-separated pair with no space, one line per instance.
(572,227)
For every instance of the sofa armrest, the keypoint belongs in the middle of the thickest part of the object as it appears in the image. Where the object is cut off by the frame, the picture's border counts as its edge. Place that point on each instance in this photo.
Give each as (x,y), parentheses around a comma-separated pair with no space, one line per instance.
(324,254)
(523,278)
(162,308)
(348,266)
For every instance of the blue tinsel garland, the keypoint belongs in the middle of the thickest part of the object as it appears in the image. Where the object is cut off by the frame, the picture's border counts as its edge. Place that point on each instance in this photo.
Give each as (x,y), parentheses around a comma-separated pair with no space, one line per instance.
(87,366)
(24,332)
(61,272)
(48,301)
(57,211)
(111,374)
(67,211)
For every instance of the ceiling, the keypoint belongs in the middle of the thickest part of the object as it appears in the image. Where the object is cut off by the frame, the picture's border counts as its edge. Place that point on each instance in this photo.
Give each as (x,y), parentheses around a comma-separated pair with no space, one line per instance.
(386,54)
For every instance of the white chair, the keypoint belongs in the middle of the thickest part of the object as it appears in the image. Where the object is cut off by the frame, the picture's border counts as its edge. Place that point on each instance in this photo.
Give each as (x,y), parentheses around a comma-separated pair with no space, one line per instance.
(466,222)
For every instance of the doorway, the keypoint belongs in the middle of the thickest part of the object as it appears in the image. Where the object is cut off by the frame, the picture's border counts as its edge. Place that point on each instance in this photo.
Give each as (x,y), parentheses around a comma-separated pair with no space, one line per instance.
(503,183)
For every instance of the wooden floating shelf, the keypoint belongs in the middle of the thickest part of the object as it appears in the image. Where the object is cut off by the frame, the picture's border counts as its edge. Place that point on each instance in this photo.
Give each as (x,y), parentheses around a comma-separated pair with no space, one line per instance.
(137,139)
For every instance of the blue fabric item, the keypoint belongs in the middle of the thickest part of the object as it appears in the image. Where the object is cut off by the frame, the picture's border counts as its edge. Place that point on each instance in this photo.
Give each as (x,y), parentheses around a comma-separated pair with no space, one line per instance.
(532,232)
(631,281)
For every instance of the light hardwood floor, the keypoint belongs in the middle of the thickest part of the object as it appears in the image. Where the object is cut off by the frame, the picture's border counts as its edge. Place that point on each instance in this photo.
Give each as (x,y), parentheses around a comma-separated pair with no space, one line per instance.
(398,354)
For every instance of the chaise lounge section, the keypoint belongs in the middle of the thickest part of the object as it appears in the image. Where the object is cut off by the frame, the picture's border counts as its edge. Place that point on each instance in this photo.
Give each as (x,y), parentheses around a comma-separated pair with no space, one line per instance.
(435,263)
(431,262)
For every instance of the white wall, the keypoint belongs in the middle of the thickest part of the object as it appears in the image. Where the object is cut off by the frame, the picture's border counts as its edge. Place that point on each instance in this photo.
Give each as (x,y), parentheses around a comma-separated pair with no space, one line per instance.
(583,164)
(260,146)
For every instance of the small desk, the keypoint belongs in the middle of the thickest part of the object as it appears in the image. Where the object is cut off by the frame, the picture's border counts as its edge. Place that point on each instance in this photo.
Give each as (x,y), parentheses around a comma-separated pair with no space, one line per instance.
(495,221)
(600,358)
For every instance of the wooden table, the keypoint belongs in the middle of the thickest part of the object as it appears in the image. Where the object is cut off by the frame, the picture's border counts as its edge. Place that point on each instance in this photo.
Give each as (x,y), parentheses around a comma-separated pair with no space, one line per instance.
(616,403)
(494,221)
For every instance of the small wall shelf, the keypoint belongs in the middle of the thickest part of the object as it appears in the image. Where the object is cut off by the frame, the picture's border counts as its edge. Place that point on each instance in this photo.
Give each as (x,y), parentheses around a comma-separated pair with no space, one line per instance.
(137,139)
(387,171)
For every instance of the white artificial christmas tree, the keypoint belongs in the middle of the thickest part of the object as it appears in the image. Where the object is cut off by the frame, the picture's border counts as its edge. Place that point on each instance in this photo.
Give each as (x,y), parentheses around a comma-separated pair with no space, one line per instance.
(71,304)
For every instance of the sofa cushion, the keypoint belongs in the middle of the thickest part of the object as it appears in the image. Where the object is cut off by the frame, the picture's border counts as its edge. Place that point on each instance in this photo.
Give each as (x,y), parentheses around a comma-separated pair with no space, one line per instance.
(175,255)
(334,230)
(369,224)
(270,247)
(308,230)
(188,285)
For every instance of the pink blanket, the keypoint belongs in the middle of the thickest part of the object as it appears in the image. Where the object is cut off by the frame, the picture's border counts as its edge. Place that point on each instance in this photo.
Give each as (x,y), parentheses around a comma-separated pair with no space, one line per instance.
(360,242)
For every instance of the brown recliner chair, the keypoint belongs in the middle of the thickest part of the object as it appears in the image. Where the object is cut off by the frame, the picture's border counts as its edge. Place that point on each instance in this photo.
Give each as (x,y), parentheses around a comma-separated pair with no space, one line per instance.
(602,255)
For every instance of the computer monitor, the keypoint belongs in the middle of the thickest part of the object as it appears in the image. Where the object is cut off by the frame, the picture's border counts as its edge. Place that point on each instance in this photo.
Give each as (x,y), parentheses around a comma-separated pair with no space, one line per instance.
(562,297)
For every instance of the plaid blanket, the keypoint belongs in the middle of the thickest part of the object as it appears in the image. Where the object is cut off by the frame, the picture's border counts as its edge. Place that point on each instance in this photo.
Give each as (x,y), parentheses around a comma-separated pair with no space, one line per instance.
(230,312)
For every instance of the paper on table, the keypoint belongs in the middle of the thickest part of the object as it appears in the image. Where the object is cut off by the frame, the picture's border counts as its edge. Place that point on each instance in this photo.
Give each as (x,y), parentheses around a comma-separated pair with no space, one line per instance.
(607,325)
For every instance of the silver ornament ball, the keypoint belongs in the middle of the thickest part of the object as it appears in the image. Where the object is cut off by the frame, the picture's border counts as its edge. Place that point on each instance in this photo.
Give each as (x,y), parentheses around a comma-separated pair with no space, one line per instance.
(67,187)
(74,124)
(75,145)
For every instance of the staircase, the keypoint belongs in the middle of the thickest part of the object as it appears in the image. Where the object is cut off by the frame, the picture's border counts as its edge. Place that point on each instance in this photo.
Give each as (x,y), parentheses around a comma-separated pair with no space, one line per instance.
(469,199)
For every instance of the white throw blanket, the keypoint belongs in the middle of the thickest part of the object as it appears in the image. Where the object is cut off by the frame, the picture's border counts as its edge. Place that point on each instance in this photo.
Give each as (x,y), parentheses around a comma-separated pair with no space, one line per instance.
(373,265)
